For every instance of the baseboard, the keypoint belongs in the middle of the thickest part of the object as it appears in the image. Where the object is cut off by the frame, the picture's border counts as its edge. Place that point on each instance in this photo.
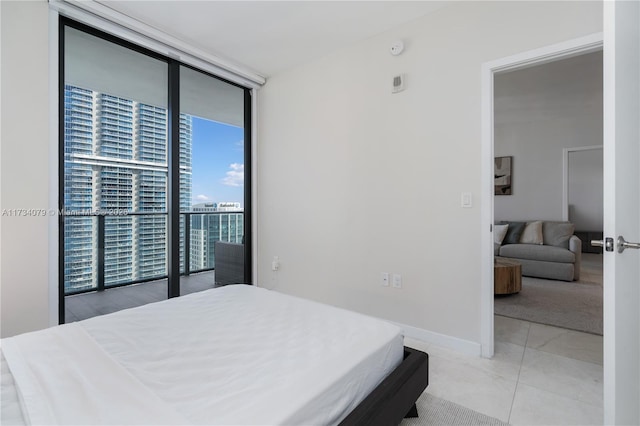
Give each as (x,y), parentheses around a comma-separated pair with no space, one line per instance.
(460,345)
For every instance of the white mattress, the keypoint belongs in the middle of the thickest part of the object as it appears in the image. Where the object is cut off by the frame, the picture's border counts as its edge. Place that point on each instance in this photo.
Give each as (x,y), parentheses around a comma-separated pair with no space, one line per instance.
(245,355)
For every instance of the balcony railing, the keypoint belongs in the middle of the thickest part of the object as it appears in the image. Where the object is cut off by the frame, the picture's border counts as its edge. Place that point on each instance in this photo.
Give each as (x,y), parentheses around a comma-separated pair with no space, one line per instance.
(132,248)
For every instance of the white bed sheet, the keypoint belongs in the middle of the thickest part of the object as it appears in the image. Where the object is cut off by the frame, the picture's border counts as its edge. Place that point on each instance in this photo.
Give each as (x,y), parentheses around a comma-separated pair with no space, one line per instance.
(10,411)
(244,355)
(66,394)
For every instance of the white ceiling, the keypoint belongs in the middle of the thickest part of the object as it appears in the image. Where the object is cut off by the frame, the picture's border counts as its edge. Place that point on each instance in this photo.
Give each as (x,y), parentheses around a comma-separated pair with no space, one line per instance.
(270,36)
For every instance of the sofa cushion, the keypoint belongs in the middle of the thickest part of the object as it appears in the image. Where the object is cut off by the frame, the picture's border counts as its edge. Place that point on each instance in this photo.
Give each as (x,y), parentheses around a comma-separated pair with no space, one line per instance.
(513,232)
(557,233)
(499,232)
(550,270)
(532,233)
(537,252)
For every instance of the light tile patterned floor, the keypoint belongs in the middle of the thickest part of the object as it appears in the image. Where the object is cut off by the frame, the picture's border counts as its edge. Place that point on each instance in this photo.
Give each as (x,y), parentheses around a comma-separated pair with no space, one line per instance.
(540,375)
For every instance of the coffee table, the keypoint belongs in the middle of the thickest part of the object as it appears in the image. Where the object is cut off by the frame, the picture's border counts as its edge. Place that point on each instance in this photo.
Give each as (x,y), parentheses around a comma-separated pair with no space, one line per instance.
(507,276)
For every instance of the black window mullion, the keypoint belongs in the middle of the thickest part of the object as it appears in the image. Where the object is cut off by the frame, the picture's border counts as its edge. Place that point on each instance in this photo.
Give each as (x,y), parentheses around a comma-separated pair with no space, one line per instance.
(61,224)
(247,188)
(173,182)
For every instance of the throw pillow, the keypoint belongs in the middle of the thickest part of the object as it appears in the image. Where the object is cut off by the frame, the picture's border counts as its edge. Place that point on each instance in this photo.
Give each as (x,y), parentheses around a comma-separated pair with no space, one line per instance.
(513,233)
(499,232)
(532,233)
(557,233)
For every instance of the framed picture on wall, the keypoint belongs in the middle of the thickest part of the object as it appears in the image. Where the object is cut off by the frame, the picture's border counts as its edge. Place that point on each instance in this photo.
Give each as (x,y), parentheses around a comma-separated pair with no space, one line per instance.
(503,175)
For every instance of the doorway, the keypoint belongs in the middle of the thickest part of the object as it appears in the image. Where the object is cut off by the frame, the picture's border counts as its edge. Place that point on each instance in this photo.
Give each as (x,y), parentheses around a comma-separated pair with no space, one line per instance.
(524,60)
(543,115)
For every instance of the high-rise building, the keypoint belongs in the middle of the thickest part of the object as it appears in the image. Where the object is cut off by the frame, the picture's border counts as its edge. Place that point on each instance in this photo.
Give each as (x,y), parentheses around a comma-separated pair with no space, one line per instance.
(113,181)
(116,161)
(186,127)
(78,181)
(151,184)
(213,222)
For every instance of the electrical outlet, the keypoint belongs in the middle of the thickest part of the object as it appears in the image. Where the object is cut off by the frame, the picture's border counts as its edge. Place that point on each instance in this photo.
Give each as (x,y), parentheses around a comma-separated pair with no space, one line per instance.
(397,281)
(384,279)
(275,265)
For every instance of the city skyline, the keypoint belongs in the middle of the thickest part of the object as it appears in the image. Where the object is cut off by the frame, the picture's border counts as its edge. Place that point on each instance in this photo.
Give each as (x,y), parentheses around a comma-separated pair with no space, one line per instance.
(215,162)
(116,159)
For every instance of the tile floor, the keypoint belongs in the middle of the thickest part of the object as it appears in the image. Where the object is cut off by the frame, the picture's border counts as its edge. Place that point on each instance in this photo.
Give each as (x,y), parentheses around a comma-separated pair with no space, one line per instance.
(540,375)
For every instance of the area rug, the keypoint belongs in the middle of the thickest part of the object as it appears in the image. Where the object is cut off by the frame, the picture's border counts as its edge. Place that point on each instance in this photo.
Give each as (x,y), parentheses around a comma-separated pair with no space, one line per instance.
(437,411)
(573,305)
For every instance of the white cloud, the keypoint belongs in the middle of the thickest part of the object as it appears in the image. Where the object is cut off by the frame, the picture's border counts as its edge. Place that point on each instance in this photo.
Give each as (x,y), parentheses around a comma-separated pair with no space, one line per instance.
(235,176)
(202,197)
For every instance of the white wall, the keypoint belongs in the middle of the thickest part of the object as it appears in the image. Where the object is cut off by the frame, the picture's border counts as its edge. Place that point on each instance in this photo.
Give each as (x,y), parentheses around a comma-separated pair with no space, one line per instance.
(539,112)
(354,180)
(24,166)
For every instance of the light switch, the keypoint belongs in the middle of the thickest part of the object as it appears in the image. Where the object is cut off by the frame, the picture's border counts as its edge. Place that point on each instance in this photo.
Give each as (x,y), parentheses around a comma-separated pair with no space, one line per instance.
(467,200)
(397,281)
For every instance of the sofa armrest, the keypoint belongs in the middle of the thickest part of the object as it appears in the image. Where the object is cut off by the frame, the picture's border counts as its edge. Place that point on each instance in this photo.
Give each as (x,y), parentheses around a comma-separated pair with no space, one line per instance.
(575,246)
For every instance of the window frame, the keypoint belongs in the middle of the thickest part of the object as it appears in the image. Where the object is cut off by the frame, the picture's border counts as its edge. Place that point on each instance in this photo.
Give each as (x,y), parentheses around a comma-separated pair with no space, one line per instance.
(173,160)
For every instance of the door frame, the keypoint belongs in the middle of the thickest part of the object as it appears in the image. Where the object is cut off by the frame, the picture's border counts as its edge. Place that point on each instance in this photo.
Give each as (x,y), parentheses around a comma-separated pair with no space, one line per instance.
(564,50)
(621,204)
(565,175)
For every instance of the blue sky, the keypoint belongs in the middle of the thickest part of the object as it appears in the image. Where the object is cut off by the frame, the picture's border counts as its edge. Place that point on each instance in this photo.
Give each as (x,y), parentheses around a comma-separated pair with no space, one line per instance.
(217,162)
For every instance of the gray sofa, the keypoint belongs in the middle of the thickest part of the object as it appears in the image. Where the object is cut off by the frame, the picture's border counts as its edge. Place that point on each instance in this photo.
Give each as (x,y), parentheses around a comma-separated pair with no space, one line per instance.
(556,255)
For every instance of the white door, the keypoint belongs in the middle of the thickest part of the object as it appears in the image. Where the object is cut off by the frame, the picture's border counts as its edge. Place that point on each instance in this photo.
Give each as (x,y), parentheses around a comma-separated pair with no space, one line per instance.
(622,211)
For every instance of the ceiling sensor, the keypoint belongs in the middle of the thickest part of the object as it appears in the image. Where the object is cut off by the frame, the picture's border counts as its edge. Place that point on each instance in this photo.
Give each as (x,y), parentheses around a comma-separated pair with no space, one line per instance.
(397,48)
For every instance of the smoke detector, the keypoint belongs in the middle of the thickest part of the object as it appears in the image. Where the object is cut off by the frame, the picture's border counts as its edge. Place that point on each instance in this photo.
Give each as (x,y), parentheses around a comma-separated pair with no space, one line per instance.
(396,48)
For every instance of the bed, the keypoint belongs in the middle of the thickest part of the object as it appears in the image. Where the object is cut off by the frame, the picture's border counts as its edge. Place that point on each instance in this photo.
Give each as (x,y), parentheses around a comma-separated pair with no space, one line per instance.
(232,355)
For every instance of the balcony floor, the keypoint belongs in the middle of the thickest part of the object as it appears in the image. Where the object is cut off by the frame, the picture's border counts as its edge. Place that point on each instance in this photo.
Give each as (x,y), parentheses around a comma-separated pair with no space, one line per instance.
(87,305)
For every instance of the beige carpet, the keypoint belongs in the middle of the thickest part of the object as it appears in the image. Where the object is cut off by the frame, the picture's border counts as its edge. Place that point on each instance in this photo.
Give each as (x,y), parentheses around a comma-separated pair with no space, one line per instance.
(574,305)
(437,411)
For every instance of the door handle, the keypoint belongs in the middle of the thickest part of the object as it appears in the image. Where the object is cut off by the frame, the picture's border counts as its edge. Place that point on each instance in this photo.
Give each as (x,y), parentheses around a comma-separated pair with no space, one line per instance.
(607,243)
(623,244)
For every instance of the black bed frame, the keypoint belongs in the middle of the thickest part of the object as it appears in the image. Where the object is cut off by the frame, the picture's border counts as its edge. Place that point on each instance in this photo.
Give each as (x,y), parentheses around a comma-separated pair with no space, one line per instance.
(395,397)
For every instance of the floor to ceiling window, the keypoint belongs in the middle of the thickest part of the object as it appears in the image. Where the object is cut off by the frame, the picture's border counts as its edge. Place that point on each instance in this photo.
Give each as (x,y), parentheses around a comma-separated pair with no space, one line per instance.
(146,144)
(212,208)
